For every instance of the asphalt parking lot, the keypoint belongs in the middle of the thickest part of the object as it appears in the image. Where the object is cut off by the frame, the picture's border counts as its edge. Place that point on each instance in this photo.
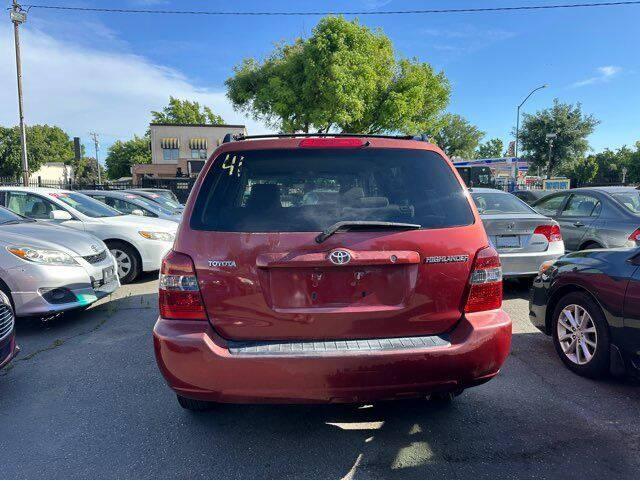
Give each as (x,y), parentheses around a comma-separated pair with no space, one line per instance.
(84,400)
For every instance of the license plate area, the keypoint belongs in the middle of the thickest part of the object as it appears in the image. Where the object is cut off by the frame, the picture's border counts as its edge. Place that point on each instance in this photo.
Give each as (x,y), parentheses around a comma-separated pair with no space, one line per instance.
(507,241)
(364,286)
(108,276)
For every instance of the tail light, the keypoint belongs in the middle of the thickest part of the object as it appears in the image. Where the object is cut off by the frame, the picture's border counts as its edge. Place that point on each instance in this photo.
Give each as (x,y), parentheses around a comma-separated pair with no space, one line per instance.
(635,235)
(485,283)
(179,290)
(332,143)
(551,232)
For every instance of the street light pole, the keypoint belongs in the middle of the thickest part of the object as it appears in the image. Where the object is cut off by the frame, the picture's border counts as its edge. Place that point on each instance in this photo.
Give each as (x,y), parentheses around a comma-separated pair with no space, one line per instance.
(518,114)
(550,138)
(19,16)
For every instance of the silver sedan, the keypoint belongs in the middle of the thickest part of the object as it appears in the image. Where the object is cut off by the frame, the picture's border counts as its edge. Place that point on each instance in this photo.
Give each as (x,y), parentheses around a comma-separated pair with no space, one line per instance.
(523,238)
(46,269)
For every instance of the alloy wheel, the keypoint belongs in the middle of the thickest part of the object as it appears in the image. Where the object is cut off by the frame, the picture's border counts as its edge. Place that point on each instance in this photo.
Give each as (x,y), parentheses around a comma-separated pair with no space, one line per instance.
(577,334)
(124,262)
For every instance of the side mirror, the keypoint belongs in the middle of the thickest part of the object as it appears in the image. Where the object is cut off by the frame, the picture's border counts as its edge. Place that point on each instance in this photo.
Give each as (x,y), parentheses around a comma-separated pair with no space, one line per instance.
(137,212)
(60,215)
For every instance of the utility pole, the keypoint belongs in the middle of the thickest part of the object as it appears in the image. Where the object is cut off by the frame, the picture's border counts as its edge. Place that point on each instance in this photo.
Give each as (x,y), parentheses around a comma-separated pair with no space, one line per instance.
(19,16)
(515,172)
(96,145)
(550,139)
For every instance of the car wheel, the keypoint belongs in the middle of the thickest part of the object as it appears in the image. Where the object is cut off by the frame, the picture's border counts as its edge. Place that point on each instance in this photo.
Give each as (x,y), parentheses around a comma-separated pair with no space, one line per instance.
(591,245)
(581,335)
(127,259)
(194,404)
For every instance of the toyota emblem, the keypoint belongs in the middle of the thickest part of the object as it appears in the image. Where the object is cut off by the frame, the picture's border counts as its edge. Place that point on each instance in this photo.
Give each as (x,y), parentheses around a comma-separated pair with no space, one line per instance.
(340,257)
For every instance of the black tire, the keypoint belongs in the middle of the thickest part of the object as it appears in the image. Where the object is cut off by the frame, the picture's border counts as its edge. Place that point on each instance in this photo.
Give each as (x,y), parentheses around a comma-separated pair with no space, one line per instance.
(591,245)
(194,404)
(598,365)
(124,252)
(444,398)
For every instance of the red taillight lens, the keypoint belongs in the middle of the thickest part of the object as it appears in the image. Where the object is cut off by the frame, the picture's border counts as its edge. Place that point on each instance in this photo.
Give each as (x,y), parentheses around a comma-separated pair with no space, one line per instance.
(485,283)
(635,236)
(551,232)
(179,290)
(332,143)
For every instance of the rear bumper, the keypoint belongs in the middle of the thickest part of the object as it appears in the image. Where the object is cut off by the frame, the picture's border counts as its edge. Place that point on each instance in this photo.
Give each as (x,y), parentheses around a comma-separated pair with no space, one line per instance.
(526,264)
(198,364)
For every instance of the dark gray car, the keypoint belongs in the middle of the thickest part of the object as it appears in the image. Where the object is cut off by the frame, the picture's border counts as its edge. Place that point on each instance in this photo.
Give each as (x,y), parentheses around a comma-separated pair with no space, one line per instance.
(595,217)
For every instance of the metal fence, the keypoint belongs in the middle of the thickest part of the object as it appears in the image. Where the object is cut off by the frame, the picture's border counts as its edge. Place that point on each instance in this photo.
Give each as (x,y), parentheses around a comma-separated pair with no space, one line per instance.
(181,187)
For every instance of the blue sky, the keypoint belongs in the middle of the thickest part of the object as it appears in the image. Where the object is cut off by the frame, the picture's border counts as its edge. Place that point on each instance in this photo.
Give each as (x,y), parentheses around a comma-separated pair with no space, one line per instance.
(104,72)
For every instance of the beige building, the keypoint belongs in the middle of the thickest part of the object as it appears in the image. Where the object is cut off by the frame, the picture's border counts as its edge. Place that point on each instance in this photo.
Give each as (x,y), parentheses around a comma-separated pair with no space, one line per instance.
(53,172)
(180,150)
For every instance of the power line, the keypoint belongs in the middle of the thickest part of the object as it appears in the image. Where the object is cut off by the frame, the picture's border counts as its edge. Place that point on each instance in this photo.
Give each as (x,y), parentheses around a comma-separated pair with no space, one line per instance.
(387,12)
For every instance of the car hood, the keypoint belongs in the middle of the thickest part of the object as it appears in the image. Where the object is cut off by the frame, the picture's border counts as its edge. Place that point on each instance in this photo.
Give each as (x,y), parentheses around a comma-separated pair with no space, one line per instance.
(33,234)
(137,221)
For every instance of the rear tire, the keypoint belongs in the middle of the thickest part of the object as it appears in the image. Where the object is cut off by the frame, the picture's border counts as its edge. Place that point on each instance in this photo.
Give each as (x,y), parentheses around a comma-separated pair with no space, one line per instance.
(585,349)
(194,405)
(444,398)
(591,245)
(128,261)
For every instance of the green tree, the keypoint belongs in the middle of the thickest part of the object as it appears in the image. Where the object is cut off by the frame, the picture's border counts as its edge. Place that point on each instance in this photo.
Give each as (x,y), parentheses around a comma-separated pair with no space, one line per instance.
(122,155)
(572,128)
(458,137)
(86,170)
(45,143)
(492,148)
(343,77)
(581,171)
(185,112)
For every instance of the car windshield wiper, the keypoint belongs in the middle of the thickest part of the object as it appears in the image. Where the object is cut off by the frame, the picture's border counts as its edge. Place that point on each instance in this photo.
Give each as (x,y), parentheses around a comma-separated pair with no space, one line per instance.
(13,221)
(363,225)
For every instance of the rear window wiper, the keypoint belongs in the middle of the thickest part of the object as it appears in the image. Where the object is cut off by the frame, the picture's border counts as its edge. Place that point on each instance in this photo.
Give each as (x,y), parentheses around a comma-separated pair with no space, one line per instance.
(363,225)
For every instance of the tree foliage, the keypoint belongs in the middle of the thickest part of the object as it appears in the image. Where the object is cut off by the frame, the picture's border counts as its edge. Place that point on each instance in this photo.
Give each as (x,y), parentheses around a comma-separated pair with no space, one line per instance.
(123,154)
(492,148)
(458,137)
(343,77)
(185,112)
(572,128)
(86,171)
(581,171)
(45,143)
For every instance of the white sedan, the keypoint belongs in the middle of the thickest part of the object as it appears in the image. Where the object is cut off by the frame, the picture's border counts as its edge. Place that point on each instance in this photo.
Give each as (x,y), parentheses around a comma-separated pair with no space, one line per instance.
(137,243)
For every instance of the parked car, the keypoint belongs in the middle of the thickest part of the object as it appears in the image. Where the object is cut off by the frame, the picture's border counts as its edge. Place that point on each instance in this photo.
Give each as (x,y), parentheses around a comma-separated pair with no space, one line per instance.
(391,291)
(163,192)
(138,243)
(595,217)
(133,204)
(8,347)
(523,238)
(589,302)
(47,268)
(162,200)
(531,196)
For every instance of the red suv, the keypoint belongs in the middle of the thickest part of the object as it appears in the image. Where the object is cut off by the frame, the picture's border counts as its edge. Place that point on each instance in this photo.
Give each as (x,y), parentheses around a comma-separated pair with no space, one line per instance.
(329,269)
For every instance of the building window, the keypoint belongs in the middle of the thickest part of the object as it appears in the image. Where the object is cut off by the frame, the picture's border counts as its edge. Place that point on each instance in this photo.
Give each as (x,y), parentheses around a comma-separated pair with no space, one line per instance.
(199,154)
(170,154)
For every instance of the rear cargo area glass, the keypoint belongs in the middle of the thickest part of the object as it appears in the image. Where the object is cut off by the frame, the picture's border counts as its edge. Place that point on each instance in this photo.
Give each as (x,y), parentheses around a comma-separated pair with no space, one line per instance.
(307,190)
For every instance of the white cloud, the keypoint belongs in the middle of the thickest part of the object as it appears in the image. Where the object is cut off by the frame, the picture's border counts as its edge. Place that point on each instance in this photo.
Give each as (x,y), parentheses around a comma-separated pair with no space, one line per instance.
(81,88)
(605,74)
(464,38)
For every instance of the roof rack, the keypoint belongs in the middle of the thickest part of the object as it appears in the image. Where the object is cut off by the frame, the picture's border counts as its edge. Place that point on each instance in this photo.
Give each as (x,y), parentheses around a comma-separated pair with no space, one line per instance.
(230,137)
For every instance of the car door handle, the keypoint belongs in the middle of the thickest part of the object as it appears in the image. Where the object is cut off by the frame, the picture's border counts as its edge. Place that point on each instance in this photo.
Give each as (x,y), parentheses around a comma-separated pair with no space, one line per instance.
(578,224)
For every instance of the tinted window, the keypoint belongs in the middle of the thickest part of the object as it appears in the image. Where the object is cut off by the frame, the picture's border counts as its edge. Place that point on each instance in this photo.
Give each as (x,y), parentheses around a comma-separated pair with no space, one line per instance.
(581,205)
(497,203)
(298,190)
(85,204)
(8,217)
(550,206)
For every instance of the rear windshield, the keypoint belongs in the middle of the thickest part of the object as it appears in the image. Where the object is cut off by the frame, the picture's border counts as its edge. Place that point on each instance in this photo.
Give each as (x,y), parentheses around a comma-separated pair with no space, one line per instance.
(497,203)
(86,205)
(307,190)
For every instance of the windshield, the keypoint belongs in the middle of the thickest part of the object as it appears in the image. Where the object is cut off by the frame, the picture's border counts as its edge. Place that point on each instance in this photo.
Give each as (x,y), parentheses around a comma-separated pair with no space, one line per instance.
(148,204)
(9,217)
(630,200)
(498,203)
(86,205)
(164,201)
(307,190)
